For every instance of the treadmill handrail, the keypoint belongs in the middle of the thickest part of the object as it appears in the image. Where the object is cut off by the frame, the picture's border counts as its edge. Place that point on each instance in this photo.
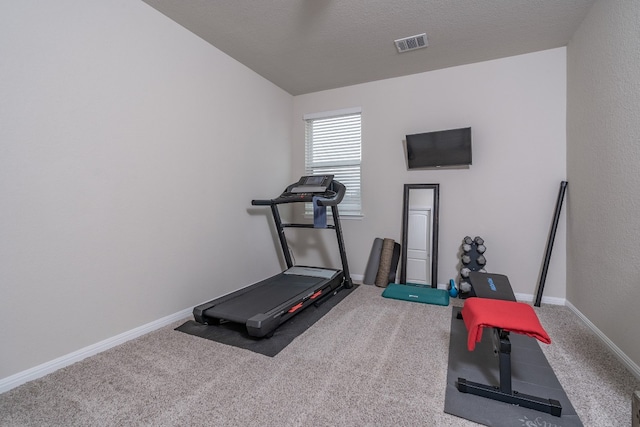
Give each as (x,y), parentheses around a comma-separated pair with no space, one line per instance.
(336,187)
(339,191)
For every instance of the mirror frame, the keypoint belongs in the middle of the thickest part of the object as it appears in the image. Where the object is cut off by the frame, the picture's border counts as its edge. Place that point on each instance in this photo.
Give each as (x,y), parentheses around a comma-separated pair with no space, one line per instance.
(434,240)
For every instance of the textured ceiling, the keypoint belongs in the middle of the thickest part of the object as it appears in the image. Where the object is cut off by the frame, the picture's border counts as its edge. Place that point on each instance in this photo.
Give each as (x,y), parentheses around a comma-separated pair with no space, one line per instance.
(306,46)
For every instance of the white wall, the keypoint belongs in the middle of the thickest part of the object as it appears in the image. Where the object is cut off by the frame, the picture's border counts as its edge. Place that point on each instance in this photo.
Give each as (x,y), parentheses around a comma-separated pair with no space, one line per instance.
(516,107)
(603,140)
(124,193)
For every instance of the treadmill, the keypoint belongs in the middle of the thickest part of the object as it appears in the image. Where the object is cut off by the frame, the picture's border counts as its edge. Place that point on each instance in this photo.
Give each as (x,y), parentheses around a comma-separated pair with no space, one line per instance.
(265,305)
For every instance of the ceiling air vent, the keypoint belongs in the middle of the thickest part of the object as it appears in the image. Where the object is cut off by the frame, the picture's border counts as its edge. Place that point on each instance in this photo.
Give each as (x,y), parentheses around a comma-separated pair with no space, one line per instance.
(411,43)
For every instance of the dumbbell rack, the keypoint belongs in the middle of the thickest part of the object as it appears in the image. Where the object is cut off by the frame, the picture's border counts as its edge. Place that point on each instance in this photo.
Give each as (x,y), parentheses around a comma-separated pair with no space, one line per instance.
(471,258)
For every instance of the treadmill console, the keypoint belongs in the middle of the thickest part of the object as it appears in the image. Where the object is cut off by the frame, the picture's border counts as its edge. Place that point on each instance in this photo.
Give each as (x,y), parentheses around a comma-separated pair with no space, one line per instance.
(312,184)
(322,189)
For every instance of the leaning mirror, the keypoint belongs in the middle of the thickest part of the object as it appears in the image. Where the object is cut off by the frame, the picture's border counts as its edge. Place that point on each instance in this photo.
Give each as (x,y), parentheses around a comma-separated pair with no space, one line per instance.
(419,260)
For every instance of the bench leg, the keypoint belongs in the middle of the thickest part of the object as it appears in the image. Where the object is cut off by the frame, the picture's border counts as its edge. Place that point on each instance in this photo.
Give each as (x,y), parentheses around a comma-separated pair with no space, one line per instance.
(550,406)
(504,392)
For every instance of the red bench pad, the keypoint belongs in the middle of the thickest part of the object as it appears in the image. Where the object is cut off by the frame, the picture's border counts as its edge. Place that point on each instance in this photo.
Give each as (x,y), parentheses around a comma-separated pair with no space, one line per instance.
(518,317)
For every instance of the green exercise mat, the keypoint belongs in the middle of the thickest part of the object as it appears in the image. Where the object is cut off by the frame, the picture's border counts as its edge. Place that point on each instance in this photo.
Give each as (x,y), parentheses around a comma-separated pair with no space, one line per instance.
(417,293)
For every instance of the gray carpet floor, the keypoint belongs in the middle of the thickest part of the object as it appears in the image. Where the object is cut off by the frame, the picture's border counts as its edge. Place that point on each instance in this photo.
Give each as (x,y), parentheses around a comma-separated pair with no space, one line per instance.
(370,361)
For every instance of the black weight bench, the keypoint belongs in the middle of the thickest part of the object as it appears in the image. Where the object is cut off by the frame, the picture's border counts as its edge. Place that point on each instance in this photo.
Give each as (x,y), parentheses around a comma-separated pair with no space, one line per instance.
(495,307)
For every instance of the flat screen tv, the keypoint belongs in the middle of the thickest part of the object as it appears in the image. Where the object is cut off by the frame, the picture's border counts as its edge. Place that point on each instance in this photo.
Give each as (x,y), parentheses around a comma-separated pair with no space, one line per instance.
(437,149)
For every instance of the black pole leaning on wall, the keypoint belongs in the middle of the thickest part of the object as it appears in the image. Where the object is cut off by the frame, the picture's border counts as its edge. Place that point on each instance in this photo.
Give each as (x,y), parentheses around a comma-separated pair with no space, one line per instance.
(552,236)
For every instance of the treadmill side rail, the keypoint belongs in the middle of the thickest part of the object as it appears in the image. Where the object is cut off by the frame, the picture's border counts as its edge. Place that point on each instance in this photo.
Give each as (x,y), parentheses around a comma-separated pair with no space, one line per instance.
(261,325)
(198,312)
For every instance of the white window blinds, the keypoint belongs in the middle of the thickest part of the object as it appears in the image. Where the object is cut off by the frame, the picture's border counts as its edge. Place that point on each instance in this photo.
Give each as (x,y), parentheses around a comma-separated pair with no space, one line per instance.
(333,146)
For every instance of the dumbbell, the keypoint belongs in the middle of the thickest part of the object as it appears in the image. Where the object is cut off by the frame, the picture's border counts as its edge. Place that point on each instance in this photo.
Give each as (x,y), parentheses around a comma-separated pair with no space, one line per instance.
(481,249)
(467,240)
(466,259)
(464,272)
(481,260)
(465,287)
(466,248)
(479,240)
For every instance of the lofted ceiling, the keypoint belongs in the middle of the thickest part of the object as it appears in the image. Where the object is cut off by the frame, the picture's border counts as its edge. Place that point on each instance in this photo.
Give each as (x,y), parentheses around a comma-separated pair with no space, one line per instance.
(305,46)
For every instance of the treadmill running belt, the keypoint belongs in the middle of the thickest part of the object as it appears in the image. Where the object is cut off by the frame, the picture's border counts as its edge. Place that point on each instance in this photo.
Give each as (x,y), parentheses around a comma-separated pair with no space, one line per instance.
(271,293)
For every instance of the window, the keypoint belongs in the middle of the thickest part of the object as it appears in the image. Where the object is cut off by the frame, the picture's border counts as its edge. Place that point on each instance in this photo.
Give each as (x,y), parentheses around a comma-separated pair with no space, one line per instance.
(333,146)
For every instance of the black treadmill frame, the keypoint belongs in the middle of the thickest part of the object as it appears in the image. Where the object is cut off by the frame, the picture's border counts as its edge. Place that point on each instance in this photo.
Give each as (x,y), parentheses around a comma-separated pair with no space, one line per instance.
(264,324)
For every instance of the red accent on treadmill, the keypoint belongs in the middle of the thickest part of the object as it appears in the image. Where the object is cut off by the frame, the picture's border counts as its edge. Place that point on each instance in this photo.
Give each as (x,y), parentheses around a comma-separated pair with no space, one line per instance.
(295,307)
(316,295)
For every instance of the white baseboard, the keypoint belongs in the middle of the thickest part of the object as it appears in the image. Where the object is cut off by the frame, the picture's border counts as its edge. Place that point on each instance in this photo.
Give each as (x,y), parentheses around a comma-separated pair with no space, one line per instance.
(626,361)
(39,371)
(545,300)
(357,278)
